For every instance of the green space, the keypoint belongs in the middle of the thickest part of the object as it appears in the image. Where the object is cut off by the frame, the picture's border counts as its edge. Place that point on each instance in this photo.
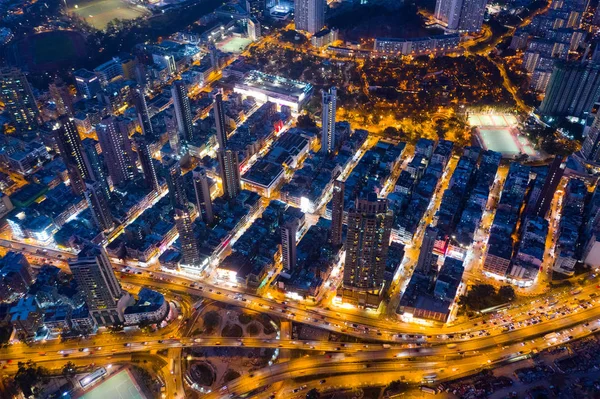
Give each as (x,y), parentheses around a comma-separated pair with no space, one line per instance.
(484,296)
(230,375)
(245,318)
(232,331)
(203,374)
(360,21)
(211,320)
(53,47)
(99,13)
(252,330)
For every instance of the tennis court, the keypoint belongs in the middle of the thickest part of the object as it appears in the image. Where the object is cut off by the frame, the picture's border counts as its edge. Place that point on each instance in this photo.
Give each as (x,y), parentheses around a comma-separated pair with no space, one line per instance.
(118,386)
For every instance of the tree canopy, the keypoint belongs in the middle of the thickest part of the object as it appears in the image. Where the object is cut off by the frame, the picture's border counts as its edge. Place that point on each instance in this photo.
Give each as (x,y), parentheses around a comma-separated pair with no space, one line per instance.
(483,296)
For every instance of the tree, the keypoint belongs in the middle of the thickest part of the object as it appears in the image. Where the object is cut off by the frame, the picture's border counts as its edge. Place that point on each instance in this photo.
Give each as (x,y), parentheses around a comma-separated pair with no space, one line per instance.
(69,370)
(506,293)
(5,334)
(306,122)
(211,320)
(483,296)
(391,131)
(29,376)
(396,387)
(313,394)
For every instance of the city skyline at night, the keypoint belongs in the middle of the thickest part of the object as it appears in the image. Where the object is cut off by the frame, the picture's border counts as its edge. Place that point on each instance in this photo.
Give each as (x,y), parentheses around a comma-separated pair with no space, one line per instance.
(299,199)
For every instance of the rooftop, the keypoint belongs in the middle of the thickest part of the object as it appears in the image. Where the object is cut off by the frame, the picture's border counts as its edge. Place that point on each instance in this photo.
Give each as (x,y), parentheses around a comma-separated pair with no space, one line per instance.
(263,173)
(276,84)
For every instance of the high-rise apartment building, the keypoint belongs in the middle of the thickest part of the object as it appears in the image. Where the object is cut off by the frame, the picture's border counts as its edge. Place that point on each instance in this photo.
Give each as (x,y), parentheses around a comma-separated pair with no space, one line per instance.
(253,29)
(590,148)
(230,172)
(69,144)
(87,82)
(596,17)
(214,56)
(540,198)
(18,99)
(426,256)
(203,199)
(183,110)
(461,15)
(94,164)
(116,147)
(109,71)
(219,114)
(147,163)
(175,183)
(141,108)
(96,280)
(573,89)
(337,213)
(190,253)
(99,206)
(367,242)
(256,8)
(309,15)
(61,95)
(288,244)
(328,120)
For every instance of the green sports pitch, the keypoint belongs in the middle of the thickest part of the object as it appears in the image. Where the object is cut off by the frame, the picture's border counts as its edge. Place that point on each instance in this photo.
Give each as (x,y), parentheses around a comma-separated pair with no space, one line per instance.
(500,140)
(118,386)
(99,13)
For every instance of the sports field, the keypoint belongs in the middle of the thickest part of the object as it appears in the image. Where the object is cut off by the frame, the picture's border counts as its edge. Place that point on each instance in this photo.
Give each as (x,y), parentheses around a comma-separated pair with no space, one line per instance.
(53,47)
(500,140)
(499,132)
(118,386)
(234,45)
(498,120)
(49,51)
(99,13)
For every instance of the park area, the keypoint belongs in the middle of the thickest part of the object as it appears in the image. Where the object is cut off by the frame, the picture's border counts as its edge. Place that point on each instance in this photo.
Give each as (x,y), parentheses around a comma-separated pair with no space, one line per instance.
(233,323)
(49,51)
(213,367)
(99,13)
(362,21)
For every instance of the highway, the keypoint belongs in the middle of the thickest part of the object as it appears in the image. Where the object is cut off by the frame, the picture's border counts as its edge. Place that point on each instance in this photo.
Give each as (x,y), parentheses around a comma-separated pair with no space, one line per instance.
(478,337)
(467,356)
(119,342)
(362,324)
(444,362)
